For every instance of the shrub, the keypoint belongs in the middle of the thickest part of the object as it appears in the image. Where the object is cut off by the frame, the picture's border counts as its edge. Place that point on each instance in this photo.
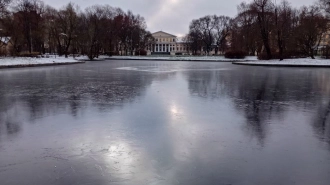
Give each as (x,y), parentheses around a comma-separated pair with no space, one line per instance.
(263,56)
(235,54)
(141,52)
(28,54)
(112,53)
(286,55)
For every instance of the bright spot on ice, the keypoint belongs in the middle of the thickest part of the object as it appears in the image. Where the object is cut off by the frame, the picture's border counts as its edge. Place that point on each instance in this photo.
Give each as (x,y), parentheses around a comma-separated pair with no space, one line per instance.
(174,110)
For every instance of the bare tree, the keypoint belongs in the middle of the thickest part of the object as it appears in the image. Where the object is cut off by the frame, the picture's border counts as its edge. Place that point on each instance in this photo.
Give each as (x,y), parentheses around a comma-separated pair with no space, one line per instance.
(243,30)
(28,15)
(325,4)
(66,27)
(207,26)
(264,11)
(194,37)
(3,7)
(284,16)
(91,30)
(312,26)
(222,29)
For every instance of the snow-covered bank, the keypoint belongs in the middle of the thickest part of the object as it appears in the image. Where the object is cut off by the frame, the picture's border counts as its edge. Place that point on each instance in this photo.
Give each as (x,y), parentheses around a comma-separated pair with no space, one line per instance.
(302,62)
(183,58)
(31,62)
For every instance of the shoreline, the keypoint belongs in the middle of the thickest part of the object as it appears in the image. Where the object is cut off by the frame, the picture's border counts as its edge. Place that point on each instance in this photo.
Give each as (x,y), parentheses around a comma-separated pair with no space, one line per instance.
(181,60)
(263,64)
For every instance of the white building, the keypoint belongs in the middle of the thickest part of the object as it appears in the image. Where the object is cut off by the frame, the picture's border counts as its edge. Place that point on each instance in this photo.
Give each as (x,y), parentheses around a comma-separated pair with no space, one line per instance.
(168,44)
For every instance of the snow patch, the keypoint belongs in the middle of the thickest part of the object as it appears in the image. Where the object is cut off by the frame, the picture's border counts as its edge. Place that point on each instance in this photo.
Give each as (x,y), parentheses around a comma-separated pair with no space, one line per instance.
(289,62)
(25,61)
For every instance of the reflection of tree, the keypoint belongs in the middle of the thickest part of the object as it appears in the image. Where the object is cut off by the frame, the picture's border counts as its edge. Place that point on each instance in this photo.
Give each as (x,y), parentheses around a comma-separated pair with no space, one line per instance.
(50,91)
(322,122)
(9,119)
(254,110)
(10,123)
(206,84)
(260,95)
(12,127)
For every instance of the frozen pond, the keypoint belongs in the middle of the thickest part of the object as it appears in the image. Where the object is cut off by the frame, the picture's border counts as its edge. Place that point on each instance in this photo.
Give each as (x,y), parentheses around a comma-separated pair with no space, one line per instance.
(164,123)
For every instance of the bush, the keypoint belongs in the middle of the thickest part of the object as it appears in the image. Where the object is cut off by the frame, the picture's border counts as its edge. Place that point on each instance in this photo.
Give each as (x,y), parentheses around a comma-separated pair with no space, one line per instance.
(112,53)
(235,54)
(28,54)
(286,55)
(141,52)
(263,56)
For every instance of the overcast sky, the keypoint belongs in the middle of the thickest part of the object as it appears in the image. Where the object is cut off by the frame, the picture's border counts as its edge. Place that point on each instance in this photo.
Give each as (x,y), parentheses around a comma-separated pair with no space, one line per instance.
(171,16)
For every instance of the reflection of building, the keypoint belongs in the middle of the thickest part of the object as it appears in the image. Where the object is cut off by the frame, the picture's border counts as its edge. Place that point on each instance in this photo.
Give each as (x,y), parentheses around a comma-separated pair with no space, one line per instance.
(168,44)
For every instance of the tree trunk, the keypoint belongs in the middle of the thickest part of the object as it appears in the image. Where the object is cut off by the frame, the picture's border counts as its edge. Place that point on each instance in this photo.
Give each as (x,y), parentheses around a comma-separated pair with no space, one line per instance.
(67,48)
(312,53)
(279,38)
(264,35)
(280,46)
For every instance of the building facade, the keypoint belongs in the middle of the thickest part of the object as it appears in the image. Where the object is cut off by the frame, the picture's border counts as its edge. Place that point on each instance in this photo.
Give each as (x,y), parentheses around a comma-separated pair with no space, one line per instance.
(168,44)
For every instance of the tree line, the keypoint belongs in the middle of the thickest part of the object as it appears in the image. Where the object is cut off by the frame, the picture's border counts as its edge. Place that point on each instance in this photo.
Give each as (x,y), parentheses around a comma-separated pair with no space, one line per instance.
(34,27)
(263,27)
